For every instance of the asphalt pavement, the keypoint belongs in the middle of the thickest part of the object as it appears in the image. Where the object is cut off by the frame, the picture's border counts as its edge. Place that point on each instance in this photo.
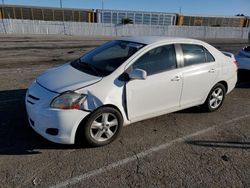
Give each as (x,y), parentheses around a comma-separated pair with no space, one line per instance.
(190,148)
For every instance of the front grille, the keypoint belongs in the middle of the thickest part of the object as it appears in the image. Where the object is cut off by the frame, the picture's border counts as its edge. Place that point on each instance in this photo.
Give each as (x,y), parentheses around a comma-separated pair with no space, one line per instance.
(32,99)
(30,102)
(52,131)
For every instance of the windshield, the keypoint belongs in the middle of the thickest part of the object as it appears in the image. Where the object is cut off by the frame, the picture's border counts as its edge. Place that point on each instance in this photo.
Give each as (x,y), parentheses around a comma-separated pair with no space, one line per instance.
(108,57)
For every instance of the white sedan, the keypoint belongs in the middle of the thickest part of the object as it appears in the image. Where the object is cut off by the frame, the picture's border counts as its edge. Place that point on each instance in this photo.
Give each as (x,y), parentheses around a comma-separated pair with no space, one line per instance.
(243,58)
(124,81)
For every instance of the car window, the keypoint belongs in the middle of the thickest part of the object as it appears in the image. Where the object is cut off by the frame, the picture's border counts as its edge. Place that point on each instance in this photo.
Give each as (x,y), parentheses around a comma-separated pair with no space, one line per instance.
(195,54)
(209,57)
(157,60)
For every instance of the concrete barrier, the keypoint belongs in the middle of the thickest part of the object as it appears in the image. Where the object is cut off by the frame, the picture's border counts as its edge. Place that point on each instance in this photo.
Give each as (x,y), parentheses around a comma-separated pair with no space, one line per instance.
(97,29)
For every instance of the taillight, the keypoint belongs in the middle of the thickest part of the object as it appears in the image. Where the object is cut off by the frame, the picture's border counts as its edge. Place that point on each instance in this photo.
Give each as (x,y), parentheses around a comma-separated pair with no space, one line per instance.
(237,65)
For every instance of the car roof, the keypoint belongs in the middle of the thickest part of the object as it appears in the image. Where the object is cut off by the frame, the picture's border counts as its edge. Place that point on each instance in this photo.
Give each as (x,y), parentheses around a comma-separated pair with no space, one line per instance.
(154,39)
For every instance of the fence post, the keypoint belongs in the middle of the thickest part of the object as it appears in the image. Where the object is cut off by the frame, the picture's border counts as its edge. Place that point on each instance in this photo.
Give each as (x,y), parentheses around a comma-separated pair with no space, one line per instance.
(2,15)
(248,37)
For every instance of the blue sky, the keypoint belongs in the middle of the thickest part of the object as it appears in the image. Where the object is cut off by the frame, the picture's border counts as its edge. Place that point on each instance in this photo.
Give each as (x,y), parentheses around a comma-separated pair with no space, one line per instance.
(202,7)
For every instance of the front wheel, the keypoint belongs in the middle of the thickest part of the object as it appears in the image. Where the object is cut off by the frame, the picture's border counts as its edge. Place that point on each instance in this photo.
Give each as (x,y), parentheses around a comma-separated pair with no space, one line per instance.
(215,98)
(103,126)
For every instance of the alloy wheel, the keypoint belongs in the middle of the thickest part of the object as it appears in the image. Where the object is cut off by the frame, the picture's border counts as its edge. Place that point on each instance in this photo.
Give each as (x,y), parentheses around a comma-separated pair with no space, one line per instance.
(104,127)
(216,98)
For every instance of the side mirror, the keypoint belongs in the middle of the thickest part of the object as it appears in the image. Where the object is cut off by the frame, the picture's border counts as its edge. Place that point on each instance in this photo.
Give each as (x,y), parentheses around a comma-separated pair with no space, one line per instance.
(138,74)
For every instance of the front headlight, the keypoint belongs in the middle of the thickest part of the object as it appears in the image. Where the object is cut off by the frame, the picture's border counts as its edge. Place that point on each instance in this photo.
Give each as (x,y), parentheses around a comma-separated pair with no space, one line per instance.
(69,100)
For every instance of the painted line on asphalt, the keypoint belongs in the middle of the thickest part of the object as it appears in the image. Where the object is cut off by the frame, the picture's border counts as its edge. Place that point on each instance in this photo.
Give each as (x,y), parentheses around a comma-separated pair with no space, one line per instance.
(142,154)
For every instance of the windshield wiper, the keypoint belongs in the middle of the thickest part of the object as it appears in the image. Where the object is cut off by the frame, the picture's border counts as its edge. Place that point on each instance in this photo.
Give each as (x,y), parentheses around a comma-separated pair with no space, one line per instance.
(88,65)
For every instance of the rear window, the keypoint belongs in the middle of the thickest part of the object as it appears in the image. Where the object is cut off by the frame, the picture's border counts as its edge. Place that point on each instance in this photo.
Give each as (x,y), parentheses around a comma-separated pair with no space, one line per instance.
(196,54)
(209,57)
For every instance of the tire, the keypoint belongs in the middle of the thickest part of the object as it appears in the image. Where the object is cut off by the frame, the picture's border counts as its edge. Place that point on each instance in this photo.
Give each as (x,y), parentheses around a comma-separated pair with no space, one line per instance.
(102,127)
(215,98)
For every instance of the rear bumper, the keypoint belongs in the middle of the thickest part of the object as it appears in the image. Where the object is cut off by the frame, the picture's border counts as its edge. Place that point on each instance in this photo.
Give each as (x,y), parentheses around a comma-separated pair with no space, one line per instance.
(232,83)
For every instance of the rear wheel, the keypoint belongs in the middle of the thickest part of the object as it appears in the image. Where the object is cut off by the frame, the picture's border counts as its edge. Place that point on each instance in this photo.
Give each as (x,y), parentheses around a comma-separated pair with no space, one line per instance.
(215,98)
(103,126)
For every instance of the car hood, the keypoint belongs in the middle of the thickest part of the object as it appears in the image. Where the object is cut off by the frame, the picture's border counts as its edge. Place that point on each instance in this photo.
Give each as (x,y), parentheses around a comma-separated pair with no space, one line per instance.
(66,78)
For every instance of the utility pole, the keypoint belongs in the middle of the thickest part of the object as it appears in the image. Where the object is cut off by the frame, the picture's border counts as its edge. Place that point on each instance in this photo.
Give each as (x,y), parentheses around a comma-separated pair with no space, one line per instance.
(61,4)
(180,10)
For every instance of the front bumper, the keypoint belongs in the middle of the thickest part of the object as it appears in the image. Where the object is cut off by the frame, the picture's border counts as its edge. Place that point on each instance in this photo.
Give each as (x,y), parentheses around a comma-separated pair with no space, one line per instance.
(41,117)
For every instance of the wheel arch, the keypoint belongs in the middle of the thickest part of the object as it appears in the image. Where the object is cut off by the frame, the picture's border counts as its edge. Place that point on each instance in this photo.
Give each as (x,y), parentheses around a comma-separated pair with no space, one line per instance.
(224,83)
(113,106)
(205,103)
(82,123)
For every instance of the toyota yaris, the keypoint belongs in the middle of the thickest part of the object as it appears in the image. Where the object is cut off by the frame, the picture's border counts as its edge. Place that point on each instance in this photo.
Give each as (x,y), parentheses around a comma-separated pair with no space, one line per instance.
(124,81)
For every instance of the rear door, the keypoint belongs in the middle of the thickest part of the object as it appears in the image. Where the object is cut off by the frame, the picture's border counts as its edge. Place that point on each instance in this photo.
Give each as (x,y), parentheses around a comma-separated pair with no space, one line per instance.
(199,73)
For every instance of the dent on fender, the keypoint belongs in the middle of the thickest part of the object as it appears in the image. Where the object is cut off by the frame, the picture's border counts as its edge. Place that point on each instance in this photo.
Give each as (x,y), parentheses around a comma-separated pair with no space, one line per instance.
(92,102)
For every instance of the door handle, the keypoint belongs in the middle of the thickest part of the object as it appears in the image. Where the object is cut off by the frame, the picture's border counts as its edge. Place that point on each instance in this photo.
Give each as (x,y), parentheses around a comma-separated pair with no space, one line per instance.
(176,78)
(211,70)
